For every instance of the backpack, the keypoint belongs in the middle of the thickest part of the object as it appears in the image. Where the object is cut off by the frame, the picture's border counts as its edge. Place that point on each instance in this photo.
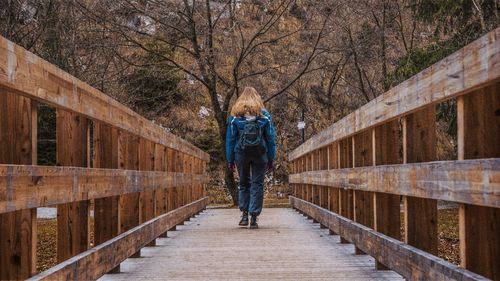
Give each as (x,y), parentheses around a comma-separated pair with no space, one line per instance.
(251,135)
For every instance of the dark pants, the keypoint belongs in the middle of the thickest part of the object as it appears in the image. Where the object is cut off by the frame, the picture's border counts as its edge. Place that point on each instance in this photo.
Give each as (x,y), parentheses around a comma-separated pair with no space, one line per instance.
(251,169)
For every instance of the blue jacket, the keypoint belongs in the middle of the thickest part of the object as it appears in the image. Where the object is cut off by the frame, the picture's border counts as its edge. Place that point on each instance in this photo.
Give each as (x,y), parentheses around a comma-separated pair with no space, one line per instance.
(235,124)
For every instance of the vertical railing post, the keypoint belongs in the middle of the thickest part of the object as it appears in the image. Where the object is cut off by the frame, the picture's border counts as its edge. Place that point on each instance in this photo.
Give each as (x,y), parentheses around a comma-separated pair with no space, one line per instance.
(129,203)
(333,192)
(106,222)
(172,192)
(160,165)
(72,218)
(204,171)
(180,168)
(386,147)
(324,166)
(363,200)
(310,195)
(18,138)
(346,195)
(419,135)
(147,198)
(479,137)
(333,163)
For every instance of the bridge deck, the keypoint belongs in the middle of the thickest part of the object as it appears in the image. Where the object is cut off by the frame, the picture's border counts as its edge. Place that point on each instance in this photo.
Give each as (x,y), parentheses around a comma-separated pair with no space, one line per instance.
(287,246)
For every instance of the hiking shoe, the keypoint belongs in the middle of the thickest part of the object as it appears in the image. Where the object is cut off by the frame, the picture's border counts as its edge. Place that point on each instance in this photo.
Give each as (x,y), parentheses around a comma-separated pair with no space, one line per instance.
(253,222)
(244,219)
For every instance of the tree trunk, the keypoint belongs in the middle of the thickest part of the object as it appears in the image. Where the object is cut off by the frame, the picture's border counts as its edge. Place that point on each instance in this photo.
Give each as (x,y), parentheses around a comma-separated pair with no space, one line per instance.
(229,176)
(221,117)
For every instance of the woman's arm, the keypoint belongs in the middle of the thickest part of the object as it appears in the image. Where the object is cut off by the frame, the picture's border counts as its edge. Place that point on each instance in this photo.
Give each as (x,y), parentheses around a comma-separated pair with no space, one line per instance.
(231,134)
(270,135)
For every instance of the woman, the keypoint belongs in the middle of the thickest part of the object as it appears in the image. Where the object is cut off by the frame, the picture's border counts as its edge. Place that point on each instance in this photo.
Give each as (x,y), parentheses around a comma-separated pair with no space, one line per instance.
(250,144)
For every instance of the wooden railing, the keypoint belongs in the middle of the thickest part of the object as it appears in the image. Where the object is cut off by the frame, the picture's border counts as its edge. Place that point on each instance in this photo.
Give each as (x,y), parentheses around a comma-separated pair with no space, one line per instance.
(352,176)
(140,180)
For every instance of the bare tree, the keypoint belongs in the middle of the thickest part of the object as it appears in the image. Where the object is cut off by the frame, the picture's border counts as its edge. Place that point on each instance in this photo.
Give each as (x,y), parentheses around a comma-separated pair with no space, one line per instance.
(220,45)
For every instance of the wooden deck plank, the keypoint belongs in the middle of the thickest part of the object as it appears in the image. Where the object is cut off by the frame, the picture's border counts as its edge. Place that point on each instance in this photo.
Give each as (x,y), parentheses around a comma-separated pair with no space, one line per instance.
(286,247)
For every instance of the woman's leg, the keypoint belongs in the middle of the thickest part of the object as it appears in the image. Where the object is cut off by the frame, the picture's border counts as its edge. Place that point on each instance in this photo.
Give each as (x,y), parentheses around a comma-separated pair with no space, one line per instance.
(259,166)
(243,167)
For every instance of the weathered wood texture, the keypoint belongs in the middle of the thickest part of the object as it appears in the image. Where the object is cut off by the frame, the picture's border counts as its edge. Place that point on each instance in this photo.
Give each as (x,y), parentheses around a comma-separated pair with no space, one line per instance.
(479,137)
(363,156)
(470,181)
(363,200)
(41,186)
(28,75)
(146,163)
(96,262)
(17,146)
(421,214)
(123,141)
(130,202)
(72,218)
(387,145)
(399,129)
(106,220)
(467,69)
(160,165)
(287,246)
(410,262)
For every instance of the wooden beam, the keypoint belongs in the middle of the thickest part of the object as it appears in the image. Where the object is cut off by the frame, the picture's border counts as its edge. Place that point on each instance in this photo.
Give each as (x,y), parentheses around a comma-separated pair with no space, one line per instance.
(42,186)
(24,73)
(363,156)
(346,194)
(471,67)
(470,181)
(363,200)
(106,221)
(18,232)
(171,168)
(478,137)
(147,198)
(161,166)
(96,262)
(386,147)
(106,210)
(333,193)
(72,218)
(421,214)
(129,160)
(410,262)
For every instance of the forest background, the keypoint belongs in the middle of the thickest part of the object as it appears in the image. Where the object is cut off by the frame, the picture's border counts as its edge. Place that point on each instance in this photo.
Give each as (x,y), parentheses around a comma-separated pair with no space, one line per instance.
(182,63)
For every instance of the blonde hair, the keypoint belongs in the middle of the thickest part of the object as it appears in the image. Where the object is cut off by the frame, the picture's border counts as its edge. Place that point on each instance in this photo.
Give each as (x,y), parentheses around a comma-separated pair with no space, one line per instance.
(249,102)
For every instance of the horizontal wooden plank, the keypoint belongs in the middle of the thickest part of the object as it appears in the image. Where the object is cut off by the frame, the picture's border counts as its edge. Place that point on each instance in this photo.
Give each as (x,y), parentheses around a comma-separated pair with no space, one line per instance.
(471,67)
(24,73)
(475,182)
(25,187)
(97,261)
(410,262)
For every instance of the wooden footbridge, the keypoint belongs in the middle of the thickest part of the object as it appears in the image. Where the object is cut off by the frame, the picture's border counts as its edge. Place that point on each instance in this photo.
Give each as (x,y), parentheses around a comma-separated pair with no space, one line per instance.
(350,180)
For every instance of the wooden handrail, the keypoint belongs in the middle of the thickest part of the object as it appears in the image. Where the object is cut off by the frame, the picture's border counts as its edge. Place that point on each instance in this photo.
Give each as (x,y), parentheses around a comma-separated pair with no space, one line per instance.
(474,182)
(467,69)
(29,187)
(26,74)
